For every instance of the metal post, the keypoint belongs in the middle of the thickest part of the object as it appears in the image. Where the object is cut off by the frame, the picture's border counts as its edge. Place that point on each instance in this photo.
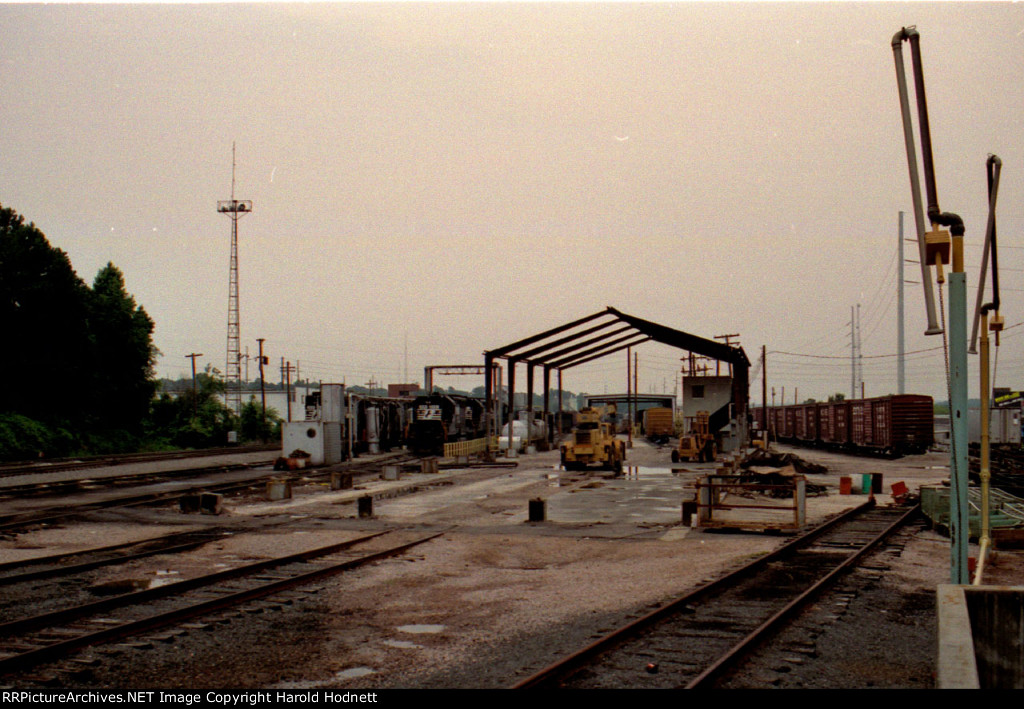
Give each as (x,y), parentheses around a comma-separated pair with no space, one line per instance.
(560,402)
(511,402)
(959,529)
(529,404)
(550,436)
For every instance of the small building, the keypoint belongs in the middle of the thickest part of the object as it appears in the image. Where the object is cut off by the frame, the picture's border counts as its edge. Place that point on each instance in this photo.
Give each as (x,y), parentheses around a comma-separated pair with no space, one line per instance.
(712,393)
(399,391)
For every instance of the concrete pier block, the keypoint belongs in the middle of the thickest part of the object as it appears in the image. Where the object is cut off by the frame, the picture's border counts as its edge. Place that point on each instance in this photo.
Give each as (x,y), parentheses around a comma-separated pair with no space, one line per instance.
(538,510)
(279,490)
(211,503)
(365,506)
(341,481)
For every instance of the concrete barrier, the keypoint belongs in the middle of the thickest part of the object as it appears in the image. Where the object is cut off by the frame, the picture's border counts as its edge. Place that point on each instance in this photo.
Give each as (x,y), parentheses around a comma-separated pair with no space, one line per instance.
(981,637)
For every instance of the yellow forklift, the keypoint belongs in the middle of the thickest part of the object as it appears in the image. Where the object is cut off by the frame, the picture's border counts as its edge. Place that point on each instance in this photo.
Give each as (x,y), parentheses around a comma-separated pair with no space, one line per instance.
(699,444)
(593,441)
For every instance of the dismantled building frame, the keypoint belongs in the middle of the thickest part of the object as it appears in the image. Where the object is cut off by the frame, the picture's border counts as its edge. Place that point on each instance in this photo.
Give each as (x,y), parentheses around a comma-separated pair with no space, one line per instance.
(600,335)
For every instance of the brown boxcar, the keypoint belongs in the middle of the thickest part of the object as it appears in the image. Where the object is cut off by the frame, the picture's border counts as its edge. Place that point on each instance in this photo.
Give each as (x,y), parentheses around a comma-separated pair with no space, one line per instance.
(894,425)
(903,424)
(810,412)
(788,422)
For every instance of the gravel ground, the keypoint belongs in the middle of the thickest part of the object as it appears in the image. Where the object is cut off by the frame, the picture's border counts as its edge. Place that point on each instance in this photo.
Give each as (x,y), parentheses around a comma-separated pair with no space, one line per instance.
(496,598)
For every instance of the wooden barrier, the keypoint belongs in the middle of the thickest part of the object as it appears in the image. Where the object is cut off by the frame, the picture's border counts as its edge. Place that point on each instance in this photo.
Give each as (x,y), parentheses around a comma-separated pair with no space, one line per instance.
(725,502)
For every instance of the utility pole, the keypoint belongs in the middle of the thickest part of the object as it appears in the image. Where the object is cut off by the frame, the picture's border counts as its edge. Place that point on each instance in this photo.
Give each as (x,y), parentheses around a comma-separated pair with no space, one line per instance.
(629,393)
(287,372)
(728,342)
(853,357)
(263,390)
(764,392)
(636,395)
(194,399)
(901,380)
(860,356)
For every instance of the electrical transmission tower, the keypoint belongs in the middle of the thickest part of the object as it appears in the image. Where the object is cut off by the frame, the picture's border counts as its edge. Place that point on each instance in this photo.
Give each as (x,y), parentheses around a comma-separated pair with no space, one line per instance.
(235,209)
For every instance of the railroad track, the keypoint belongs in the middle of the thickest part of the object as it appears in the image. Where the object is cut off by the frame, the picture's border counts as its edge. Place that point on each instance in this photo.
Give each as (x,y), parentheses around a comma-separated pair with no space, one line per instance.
(694,640)
(56,636)
(71,563)
(18,520)
(63,464)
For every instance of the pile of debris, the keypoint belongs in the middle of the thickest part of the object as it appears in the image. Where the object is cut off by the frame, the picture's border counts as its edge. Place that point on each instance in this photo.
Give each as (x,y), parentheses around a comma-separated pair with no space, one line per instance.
(777,469)
(761,458)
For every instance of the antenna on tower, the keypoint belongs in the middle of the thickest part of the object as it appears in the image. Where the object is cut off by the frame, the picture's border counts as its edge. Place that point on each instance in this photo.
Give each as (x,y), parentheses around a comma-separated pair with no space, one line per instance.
(235,209)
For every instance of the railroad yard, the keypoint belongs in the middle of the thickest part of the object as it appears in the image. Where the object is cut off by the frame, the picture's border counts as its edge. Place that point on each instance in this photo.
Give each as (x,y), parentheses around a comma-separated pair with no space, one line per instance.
(464,591)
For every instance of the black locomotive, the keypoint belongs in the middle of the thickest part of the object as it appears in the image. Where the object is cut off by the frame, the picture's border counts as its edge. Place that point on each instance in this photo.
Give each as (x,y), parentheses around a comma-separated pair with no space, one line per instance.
(443,418)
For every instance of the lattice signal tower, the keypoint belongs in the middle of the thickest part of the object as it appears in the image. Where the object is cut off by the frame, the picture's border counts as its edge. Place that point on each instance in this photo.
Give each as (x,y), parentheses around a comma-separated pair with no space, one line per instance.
(235,209)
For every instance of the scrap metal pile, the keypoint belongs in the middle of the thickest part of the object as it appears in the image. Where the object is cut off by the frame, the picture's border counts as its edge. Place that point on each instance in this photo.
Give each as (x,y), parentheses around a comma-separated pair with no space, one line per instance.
(777,469)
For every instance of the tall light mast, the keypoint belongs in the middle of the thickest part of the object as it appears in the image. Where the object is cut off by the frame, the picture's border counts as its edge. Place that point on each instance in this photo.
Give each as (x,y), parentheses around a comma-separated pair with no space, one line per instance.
(235,209)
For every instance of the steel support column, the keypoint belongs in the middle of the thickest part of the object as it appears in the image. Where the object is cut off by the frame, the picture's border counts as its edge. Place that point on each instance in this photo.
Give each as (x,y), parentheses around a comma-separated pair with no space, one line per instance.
(958,513)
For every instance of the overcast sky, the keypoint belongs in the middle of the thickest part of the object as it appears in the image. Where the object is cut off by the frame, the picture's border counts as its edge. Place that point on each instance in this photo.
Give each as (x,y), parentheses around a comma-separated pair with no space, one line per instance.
(434,180)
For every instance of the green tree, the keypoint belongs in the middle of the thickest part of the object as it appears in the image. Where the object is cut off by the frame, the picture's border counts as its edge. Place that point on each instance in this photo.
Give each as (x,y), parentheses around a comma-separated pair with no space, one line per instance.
(196,420)
(253,425)
(43,318)
(122,354)
(78,362)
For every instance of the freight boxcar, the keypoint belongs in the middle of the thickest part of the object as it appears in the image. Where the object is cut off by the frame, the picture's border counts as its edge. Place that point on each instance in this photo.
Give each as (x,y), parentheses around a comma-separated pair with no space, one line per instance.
(894,425)
(659,424)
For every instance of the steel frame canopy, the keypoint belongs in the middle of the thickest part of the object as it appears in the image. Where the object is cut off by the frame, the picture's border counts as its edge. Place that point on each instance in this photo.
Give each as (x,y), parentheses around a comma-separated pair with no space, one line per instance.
(599,335)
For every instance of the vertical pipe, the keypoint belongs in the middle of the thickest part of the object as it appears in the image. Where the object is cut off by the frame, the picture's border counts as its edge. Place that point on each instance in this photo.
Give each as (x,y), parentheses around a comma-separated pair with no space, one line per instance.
(986,474)
(959,530)
(934,327)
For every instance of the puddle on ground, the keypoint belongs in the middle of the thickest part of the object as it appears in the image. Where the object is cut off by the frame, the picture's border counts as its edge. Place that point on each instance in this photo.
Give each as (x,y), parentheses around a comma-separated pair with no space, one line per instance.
(353,673)
(403,644)
(421,628)
(636,472)
(163,578)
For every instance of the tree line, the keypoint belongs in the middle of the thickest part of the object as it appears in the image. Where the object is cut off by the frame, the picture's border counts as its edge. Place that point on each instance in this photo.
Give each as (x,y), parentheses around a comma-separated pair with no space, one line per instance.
(79,362)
